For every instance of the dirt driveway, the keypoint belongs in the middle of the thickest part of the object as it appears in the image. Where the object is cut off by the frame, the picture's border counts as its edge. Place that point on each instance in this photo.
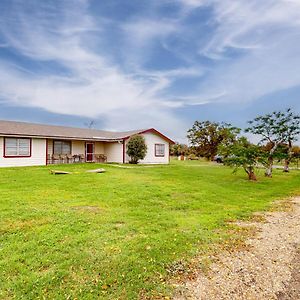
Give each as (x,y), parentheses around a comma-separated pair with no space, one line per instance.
(269,268)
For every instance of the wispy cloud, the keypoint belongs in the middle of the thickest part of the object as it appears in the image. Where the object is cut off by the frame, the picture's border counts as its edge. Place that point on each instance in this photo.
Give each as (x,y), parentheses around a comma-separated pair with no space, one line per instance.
(92,86)
(142,31)
(255,46)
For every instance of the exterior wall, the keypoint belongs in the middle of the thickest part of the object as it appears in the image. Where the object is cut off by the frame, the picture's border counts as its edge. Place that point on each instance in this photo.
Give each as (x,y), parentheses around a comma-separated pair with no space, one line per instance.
(99,148)
(78,147)
(38,155)
(50,147)
(114,152)
(152,139)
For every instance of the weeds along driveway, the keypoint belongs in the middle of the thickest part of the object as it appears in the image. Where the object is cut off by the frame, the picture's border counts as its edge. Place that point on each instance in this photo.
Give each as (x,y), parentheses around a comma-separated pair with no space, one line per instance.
(267,269)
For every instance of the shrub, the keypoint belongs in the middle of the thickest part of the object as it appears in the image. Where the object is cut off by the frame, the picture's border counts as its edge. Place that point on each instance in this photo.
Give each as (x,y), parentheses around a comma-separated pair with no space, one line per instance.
(136,148)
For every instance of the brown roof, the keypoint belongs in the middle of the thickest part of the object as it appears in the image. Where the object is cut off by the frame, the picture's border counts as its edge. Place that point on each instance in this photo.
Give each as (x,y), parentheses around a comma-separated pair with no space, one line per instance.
(11,128)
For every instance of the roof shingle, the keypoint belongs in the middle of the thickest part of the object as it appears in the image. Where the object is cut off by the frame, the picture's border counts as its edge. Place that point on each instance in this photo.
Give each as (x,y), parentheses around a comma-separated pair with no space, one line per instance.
(13,128)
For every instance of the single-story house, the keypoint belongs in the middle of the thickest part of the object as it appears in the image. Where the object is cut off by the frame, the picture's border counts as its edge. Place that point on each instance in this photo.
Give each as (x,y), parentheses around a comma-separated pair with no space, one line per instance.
(28,144)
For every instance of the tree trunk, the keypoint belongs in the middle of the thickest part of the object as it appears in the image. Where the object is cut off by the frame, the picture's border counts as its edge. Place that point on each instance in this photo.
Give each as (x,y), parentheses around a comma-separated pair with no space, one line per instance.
(251,174)
(286,165)
(269,169)
(288,159)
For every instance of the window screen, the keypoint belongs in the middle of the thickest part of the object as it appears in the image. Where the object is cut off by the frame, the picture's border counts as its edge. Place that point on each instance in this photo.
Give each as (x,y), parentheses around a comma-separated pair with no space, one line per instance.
(62,147)
(159,150)
(17,147)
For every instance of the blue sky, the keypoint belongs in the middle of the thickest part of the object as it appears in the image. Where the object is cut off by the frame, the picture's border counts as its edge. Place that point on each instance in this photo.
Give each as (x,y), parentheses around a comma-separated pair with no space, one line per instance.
(139,63)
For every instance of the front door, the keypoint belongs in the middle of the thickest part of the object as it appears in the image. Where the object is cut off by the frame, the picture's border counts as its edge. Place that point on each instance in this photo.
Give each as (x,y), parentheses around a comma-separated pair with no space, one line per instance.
(89,152)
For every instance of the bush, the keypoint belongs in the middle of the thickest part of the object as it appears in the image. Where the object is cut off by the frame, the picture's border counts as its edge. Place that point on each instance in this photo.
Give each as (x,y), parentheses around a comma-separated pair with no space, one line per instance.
(136,148)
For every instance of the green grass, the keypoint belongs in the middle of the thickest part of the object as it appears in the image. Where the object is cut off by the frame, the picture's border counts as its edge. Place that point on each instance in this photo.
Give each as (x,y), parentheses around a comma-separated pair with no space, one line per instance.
(114,235)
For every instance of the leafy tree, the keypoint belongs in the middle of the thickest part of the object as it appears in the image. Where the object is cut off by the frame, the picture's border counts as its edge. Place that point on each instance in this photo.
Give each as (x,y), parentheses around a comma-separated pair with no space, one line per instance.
(276,128)
(296,155)
(243,154)
(179,149)
(296,151)
(205,137)
(281,153)
(136,148)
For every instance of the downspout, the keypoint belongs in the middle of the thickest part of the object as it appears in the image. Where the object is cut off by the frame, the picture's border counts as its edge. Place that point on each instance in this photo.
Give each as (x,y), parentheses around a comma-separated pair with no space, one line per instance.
(123,151)
(46,152)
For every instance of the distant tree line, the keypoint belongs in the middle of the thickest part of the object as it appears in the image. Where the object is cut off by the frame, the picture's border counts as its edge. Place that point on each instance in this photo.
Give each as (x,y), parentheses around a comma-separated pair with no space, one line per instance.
(277,131)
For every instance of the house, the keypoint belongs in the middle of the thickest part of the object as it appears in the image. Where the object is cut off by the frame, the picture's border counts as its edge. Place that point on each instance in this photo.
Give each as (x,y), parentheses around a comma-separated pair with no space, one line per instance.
(28,144)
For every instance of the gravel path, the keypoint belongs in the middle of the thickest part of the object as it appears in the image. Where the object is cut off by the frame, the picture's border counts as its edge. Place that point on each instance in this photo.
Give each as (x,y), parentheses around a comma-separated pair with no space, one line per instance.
(268,269)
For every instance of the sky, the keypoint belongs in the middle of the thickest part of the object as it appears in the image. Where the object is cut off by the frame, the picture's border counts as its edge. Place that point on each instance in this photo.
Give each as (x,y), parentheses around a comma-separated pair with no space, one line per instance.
(135,64)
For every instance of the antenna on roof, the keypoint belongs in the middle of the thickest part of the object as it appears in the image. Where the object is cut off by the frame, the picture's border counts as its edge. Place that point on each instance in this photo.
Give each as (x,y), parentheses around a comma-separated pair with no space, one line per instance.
(91,124)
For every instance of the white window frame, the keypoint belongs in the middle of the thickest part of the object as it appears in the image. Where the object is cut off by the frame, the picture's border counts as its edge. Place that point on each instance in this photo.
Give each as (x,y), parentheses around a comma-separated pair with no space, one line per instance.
(160,150)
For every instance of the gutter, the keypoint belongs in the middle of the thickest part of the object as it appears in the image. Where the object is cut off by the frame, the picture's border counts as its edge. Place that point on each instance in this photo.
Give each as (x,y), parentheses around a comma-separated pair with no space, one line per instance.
(97,139)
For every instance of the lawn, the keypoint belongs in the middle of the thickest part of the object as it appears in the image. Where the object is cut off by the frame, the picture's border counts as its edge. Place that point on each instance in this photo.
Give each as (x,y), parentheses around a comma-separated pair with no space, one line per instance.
(115,235)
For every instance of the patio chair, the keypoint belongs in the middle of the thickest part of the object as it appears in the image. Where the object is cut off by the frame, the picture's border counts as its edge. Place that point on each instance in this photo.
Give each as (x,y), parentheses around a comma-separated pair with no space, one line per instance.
(81,157)
(103,158)
(63,158)
(55,159)
(70,158)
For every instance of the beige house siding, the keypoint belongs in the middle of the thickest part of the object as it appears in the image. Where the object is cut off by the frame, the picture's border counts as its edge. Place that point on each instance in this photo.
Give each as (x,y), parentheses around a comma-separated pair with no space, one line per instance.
(114,152)
(78,147)
(38,155)
(50,147)
(99,148)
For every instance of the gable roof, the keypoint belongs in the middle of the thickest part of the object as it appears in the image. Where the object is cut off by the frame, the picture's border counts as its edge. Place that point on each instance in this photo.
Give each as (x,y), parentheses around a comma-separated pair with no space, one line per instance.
(12,128)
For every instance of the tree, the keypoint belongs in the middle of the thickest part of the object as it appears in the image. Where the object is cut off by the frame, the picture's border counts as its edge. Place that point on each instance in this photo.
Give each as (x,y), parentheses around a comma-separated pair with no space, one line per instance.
(243,154)
(205,137)
(296,155)
(276,128)
(280,154)
(136,148)
(179,149)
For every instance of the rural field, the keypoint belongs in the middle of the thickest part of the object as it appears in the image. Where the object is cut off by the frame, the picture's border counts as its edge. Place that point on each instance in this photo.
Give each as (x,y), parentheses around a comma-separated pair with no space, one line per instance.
(120,234)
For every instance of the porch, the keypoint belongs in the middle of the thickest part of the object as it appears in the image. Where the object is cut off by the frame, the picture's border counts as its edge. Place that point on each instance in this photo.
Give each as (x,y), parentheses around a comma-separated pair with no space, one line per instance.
(74,151)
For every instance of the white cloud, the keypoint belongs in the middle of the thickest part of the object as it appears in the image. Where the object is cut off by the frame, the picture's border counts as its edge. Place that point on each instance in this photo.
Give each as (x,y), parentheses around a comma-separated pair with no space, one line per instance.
(255,46)
(248,24)
(193,3)
(142,31)
(92,87)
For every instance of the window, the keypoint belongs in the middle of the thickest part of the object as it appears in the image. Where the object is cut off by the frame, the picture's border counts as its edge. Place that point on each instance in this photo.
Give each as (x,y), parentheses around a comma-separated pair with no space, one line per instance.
(15,147)
(160,150)
(62,147)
